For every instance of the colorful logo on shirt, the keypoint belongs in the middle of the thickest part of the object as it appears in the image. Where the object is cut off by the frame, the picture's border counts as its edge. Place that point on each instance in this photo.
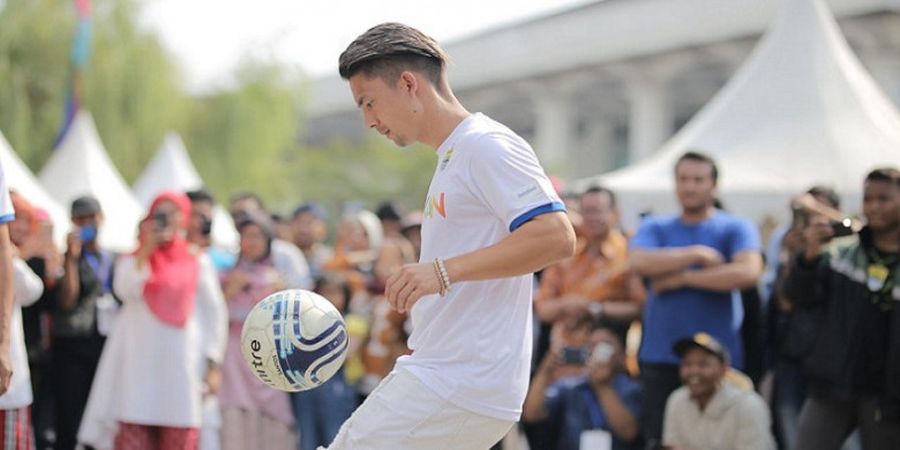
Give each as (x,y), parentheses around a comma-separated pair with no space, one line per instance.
(446,159)
(433,205)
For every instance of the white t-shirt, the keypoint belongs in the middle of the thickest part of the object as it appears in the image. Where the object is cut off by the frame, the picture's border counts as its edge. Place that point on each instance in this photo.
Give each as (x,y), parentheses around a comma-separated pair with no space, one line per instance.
(6,209)
(28,288)
(473,346)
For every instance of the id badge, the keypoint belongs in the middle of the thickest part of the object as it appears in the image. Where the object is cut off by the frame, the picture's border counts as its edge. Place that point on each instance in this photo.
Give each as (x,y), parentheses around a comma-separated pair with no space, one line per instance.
(107,307)
(595,440)
(877,275)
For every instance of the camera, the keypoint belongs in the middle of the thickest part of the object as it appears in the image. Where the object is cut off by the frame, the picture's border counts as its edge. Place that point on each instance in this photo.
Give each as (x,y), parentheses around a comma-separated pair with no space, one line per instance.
(842,228)
(575,355)
(205,226)
(160,220)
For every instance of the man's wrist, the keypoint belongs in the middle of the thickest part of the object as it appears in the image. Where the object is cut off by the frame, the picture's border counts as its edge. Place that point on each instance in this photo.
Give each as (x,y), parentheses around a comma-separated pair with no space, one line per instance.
(603,386)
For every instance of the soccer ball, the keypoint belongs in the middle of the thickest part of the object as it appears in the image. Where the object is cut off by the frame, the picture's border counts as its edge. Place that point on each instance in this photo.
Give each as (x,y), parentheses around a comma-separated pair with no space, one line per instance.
(294,340)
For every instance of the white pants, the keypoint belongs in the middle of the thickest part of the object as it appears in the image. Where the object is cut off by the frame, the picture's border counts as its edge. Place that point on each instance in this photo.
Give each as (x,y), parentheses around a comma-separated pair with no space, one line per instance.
(403,414)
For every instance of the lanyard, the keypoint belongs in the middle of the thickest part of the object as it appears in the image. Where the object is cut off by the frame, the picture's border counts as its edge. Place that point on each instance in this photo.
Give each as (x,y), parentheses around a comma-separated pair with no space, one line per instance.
(880,272)
(100,263)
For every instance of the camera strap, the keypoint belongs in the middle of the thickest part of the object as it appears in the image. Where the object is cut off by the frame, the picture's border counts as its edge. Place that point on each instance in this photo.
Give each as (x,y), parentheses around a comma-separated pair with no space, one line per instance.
(879,276)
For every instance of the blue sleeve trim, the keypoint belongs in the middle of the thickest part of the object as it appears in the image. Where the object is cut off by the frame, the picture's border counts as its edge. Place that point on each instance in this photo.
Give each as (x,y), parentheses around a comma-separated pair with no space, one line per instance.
(528,215)
(7,218)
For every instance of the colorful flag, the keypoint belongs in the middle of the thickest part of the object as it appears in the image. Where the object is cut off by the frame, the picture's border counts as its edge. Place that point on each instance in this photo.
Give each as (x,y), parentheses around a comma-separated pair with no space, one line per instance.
(81,52)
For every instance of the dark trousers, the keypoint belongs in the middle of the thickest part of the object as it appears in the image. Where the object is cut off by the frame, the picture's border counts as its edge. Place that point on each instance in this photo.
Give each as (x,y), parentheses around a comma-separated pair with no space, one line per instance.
(788,398)
(657,381)
(74,363)
(825,425)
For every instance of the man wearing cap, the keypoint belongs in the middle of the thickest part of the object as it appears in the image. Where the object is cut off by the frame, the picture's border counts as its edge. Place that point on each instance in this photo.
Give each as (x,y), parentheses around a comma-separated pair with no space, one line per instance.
(695,264)
(709,412)
(82,311)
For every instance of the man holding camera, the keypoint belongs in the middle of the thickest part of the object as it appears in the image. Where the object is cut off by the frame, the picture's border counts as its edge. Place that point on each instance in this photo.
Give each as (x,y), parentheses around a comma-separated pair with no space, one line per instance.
(83,306)
(853,368)
(598,408)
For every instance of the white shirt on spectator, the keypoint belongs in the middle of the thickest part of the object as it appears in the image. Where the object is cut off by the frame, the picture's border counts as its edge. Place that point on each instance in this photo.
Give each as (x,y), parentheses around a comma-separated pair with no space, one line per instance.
(151,373)
(28,288)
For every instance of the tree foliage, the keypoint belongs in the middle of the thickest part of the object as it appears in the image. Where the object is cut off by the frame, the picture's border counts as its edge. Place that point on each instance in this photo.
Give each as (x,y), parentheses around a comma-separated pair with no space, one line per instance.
(241,138)
(34,53)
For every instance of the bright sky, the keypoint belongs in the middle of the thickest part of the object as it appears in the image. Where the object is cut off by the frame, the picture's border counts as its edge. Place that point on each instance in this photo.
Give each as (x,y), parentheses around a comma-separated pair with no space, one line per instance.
(209,37)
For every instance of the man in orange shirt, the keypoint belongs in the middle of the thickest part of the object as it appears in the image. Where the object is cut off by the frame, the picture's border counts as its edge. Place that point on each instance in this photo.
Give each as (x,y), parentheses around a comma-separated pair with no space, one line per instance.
(597,279)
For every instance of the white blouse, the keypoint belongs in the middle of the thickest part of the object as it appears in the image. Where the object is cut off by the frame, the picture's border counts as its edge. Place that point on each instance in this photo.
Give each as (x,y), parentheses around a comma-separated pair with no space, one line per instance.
(151,373)
(27,289)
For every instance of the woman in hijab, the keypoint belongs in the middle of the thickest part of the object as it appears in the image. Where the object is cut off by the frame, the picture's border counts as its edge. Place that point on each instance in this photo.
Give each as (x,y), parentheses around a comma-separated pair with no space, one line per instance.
(163,353)
(254,415)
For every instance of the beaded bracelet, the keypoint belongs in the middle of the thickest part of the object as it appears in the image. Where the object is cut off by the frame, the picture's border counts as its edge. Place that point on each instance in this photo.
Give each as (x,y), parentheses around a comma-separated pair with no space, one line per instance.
(442,274)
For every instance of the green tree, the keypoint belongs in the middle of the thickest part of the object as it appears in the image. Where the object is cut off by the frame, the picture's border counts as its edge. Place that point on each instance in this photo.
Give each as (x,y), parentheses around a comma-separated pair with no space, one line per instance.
(239,138)
(370,172)
(244,137)
(35,39)
(132,87)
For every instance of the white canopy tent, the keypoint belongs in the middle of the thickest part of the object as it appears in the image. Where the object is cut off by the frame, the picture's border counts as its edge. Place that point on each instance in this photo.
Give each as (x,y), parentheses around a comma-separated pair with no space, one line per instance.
(172,169)
(20,179)
(81,166)
(800,111)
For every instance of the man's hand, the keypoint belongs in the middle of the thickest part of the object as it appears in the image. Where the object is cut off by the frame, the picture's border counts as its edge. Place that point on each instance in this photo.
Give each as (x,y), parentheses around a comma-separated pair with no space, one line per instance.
(213,380)
(6,370)
(150,238)
(235,282)
(707,256)
(817,232)
(407,285)
(73,245)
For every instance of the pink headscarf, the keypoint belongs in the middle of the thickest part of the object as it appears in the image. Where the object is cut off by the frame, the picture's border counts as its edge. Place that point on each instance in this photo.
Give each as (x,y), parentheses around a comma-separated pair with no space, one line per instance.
(172,286)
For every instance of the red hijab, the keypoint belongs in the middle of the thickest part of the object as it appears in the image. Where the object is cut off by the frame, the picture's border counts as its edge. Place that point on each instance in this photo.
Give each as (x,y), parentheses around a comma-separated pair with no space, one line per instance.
(172,285)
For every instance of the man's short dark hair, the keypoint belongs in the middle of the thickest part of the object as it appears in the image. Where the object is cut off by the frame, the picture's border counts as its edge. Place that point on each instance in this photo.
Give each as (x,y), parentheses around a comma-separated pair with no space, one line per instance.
(248,195)
(201,196)
(388,211)
(601,190)
(312,208)
(827,193)
(388,49)
(702,158)
(885,174)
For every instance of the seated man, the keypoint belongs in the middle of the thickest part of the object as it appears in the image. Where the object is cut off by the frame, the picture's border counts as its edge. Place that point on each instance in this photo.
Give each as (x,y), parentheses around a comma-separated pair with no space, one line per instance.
(596,409)
(708,412)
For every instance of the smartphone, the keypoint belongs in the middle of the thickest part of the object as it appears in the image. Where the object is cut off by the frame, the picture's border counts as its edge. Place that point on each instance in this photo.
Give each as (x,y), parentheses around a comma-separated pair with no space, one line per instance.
(842,228)
(206,226)
(160,220)
(575,355)
(87,233)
